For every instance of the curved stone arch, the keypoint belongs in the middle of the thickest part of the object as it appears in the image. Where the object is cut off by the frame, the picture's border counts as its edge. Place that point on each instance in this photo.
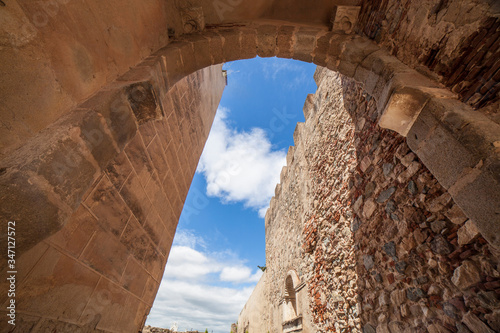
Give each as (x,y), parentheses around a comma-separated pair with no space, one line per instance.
(292,306)
(409,103)
(462,159)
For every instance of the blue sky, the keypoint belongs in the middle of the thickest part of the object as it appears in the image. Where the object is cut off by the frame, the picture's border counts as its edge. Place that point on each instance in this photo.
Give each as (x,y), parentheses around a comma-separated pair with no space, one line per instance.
(220,239)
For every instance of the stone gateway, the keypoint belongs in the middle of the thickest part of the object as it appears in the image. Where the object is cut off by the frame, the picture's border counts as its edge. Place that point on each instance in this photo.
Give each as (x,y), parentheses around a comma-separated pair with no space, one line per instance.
(387,215)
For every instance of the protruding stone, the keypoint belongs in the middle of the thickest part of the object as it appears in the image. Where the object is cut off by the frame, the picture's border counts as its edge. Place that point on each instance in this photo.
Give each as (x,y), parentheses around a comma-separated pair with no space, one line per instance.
(369,329)
(467,233)
(401,267)
(387,168)
(414,294)
(456,215)
(440,245)
(398,297)
(385,195)
(437,226)
(390,249)
(344,18)
(368,261)
(493,320)
(475,324)
(466,275)
(412,187)
(369,208)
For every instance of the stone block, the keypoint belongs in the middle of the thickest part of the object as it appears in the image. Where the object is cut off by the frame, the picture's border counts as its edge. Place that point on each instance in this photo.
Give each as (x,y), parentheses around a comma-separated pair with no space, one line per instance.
(248,41)
(154,227)
(356,49)
(231,49)
(24,264)
(132,316)
(76,233)
(119,170)
(167,239)
(479,197)
(402,109)
(157,155)
(137,154)
(215,47)
(201,46)
(466,275)
(472,128)
(283,174)
(140,73)
(266,40)
(289,155)
(309,106)
(154,262)
(189,65)
(285,41)
(170,188)
(171,61)
(475,324)
(114,106)
(297,133)
(106,254)
(143,99)
(163,131)
(305,43)
(107,205)
(105,305)
(134,278)
(65,297)
(384,64)
(320,53)
(148,132)
(440,152)
(193,19)
(150,290)
(135,239)
(368,78)
(33,207)
(135,197)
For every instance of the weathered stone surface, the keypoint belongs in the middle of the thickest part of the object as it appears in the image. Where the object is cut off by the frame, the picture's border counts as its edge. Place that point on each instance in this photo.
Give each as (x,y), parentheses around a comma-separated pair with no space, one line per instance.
(466,275)
(368,262)
(414,294)
(475,324)
(440,245)
(467,233)
(437,226)
(386,194)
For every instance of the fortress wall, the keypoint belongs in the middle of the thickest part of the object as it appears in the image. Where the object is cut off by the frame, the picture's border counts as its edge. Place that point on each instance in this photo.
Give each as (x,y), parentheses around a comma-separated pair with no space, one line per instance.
(380,244)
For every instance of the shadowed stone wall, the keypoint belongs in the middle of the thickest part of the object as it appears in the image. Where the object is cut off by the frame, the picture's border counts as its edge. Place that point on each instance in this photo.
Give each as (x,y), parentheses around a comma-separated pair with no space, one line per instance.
(101,271)
(455,41)
(380,244)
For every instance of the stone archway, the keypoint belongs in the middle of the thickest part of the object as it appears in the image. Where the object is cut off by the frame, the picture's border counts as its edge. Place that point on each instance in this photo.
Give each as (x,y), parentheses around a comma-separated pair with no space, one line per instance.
(109,122)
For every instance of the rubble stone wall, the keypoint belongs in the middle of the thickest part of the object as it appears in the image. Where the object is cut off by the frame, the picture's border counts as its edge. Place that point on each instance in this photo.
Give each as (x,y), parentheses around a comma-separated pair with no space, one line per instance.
(380,244)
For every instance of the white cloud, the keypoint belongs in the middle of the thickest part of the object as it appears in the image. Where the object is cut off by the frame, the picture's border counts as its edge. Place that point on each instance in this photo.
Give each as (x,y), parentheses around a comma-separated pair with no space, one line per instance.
(239,274)
(295,73)
(194,291)
(240,166)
